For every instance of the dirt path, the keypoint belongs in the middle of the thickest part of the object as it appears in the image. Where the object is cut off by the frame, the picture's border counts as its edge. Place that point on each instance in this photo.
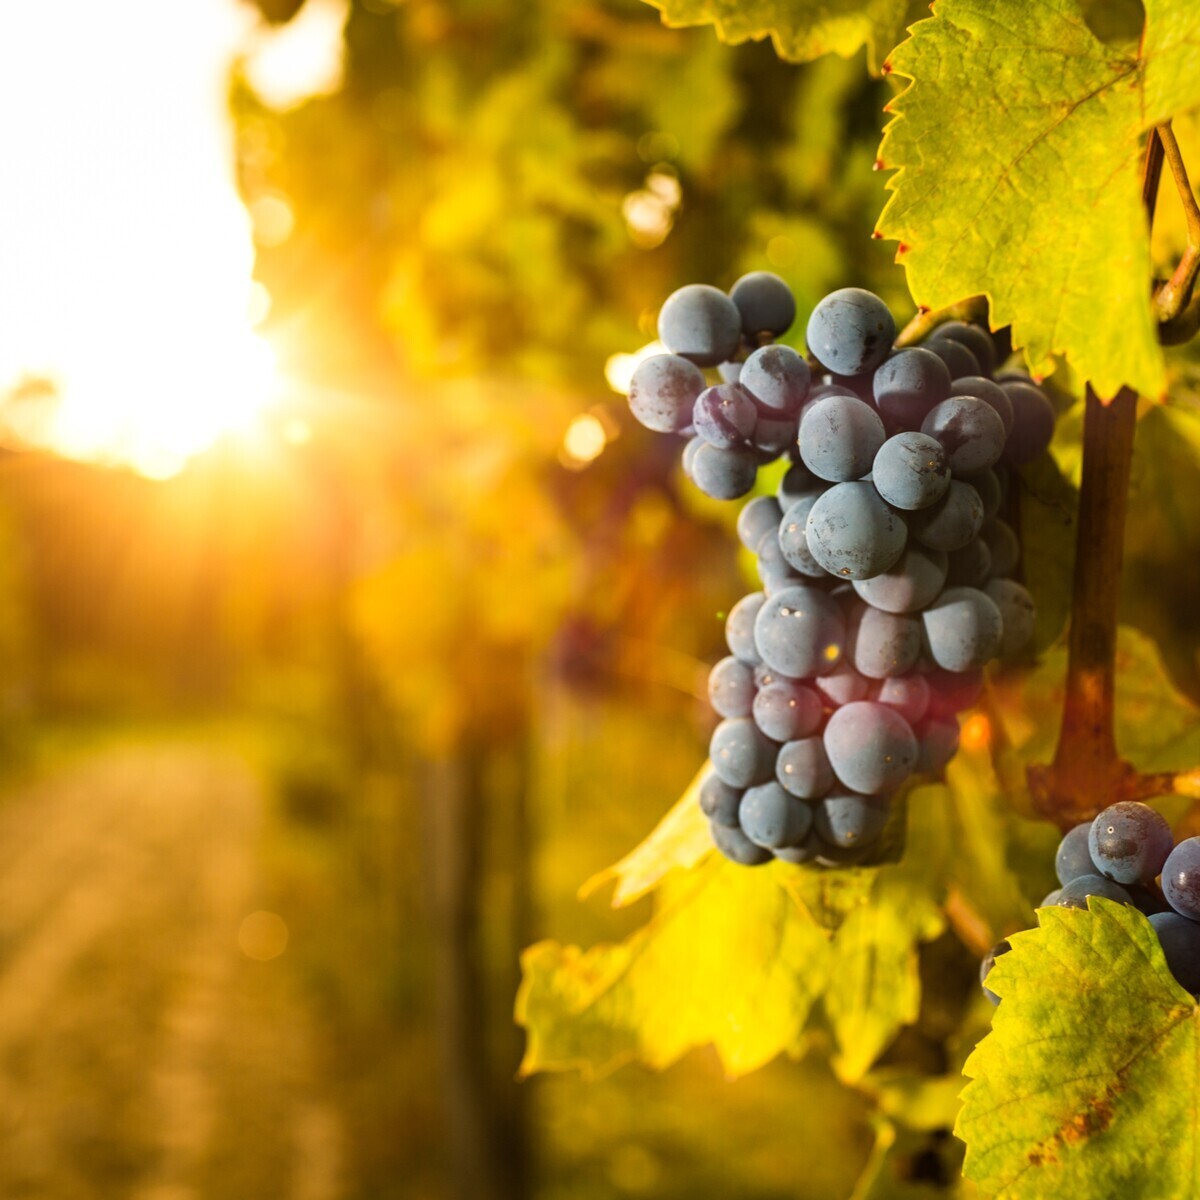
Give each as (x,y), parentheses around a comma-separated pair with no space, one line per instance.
(143,1054)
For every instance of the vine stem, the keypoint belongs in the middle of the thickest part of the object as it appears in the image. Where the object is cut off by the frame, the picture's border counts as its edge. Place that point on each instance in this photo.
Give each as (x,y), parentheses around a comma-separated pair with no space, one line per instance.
(1173,296)
(1087,772)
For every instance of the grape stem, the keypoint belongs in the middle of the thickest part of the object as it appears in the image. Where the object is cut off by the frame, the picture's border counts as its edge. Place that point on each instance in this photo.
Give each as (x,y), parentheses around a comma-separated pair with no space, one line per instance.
(1174,295)
(1087,773)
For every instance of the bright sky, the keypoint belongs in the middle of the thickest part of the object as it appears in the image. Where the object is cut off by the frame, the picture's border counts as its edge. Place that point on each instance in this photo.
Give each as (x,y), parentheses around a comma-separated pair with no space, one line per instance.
(125,254)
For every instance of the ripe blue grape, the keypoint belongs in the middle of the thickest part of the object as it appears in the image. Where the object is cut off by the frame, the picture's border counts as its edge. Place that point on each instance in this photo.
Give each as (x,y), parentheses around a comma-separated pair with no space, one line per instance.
(977,340)
(908,385)
(723,474)
(850,331)
(1129,842)
(700,323)
(1017,614)
(913,582)
(771,817)
(843,685)
(724,415)
(777,377)
(952,522)
(910,471)
(758,516)
(1180,941)
(871,747)
(737,847)
(990,392)
(1003,546)
(765,302)
(799,631)
(1075,893)
(739,628)
(741,754)
(847,820)
(963,629)
(969,430)
(731,688)
(985,968)
(718,801)
(959,361)
(793,538)
(937,744)
(663,392)
(907,694)
(802,768)
(1050,899)
(688,457)
(971,566)
(885,644)
(852,533)
(787,711)
(1073,857)
(1181,878)
(1033,424)
(773,569)
(839,438)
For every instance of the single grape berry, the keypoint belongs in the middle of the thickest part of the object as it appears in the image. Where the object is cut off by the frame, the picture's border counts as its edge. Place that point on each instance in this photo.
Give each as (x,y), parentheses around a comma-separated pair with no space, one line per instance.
(1073,858)
(990,392)
(773,818)
(700,323)
(885,644)
(1004,548)
(907,385)
(963,629)
(741,755)
(1075,893)
(802,768)
(724,415)
(731,688)
(907,694)
(950,523)
(977,340)
(911,583)
(663,392)
(971,566)
(1180,941)
(799,631)
(739,628)
(843,685)
(737,847)
(777,377)
(1033,424)
(852,533)
(910,471)
(991,495)
(871,747)
(793,537)
(787,711)
(847,820)
(758,516)
(959,361)
(723,474)
(797,483)
(969,430)
(1017,614)
(850,332)
(718,801)
(765,302)
(1181,878)
(839,438)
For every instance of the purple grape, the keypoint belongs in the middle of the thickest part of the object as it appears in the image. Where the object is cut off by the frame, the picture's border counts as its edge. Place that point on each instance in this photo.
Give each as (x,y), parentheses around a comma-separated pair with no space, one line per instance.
(731,688)
(799,631)
(839,438)
(871,747)
(913,582)
(741,755)
(773,818)
(737,847)
(963,629)
(787,711)
(1073,858)
(701,324)
(663,392)
(1129,842)
(1181,878)
(802,768)
(850,331)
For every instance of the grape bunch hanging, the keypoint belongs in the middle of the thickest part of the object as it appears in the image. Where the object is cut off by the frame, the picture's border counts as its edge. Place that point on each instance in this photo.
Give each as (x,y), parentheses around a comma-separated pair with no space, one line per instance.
(886,567)
(1128,854)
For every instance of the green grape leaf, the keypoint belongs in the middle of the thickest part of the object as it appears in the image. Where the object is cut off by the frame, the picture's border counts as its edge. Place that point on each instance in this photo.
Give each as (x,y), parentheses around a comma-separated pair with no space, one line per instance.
(1018,147)
(730,957)
(737,957)
(801,30)
(1088,1083)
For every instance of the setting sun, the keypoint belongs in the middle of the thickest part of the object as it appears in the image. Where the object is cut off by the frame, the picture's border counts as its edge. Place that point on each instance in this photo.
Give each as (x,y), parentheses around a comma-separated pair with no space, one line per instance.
(127,302)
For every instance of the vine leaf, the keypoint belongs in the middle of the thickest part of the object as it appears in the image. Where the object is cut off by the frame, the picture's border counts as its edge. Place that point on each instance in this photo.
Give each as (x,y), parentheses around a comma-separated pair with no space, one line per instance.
(731,957)
(738,958)
(1087,1084)
(801,30)
(1018,149)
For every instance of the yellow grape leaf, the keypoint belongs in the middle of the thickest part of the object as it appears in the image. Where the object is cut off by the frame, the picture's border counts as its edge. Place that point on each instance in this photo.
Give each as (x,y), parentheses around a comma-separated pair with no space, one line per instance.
(730,958)
(1089,1083)
(801,29)
(1018,149)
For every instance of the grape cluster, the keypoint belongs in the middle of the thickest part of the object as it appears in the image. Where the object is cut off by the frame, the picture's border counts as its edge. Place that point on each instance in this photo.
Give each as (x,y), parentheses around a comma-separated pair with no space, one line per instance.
(1128,854)
(884,562)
